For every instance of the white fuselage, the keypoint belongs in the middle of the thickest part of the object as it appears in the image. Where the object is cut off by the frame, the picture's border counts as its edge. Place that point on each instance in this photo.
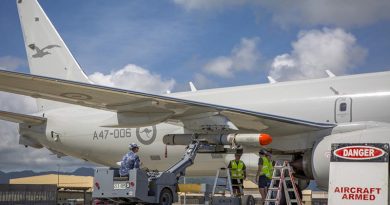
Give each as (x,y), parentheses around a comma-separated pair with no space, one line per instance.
(335,100)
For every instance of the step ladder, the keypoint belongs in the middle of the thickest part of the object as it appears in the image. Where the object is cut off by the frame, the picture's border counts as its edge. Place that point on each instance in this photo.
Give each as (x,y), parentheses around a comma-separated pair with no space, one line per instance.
(282,186)
(222,192)
(226,185)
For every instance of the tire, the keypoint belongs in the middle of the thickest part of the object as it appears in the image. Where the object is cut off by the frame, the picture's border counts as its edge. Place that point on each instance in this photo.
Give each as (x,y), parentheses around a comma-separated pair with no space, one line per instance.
(248,200)
(302,183)
(166,197)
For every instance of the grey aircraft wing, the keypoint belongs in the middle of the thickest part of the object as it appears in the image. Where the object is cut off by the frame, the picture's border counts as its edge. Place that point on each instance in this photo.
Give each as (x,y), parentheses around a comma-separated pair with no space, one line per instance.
(158,108)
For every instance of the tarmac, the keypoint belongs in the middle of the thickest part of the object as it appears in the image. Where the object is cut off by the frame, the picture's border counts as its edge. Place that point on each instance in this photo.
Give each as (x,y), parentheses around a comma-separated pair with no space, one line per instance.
(309,197)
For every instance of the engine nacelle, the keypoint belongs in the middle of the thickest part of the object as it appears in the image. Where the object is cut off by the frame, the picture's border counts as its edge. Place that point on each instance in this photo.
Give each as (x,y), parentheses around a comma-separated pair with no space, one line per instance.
(316,164)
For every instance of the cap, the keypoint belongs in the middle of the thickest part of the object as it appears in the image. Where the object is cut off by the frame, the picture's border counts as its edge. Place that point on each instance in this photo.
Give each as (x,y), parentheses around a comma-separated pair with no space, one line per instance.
(264,152)
(133,145)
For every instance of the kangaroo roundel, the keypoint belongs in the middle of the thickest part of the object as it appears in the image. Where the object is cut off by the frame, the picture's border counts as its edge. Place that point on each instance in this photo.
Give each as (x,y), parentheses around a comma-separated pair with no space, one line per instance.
(146,135)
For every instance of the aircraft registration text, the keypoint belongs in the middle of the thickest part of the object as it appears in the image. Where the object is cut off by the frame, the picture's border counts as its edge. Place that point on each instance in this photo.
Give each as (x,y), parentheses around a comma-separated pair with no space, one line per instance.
(113,133)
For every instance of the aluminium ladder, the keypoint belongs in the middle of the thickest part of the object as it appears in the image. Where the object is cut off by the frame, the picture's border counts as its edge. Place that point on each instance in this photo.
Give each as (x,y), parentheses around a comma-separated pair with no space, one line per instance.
(282,186)
(224,174)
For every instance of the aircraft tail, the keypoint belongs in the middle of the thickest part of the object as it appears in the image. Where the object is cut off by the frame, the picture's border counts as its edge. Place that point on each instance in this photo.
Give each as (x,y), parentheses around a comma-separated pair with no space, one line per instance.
(47,53)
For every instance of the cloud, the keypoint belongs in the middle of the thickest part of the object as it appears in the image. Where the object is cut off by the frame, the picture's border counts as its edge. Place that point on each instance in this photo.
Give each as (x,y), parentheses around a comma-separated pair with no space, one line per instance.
(342,13)
(243,57)
(133,77)
(316,51)
(11,62)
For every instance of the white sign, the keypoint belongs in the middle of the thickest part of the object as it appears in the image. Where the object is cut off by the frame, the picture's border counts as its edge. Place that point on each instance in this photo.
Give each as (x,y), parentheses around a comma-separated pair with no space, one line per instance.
(358,174)
(119,185)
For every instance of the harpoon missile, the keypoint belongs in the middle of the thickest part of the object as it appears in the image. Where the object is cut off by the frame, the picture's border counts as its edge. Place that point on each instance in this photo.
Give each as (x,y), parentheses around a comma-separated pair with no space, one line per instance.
(254,140)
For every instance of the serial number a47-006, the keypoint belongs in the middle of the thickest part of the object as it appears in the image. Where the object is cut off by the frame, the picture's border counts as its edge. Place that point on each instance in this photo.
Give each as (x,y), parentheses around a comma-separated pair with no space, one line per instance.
(115,133)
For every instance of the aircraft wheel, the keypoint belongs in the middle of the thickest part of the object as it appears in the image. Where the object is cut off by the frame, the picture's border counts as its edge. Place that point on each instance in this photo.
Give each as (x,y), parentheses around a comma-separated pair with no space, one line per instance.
(303,183)
(248,200)
(166,197)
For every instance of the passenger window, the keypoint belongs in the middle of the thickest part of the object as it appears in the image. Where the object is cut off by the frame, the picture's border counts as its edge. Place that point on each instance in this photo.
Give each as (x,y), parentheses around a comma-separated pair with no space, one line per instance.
(343,107)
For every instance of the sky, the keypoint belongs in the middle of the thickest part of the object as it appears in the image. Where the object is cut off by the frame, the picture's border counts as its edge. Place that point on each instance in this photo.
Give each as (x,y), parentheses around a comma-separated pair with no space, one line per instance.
(156,46)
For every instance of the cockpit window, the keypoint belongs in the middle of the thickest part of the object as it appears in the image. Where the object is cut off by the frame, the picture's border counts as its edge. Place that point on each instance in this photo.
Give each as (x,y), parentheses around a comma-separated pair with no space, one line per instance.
(343,107)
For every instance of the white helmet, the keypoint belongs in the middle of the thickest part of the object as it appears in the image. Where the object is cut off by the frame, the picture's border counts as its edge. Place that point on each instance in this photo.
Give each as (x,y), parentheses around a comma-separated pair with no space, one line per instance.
(133,145)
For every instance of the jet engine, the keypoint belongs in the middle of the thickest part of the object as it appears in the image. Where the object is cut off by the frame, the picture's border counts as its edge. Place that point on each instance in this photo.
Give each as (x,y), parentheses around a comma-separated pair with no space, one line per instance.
(314,164)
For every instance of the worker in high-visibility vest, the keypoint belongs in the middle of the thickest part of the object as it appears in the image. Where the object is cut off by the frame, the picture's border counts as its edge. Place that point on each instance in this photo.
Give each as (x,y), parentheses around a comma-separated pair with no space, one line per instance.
(237,173)
(264,172)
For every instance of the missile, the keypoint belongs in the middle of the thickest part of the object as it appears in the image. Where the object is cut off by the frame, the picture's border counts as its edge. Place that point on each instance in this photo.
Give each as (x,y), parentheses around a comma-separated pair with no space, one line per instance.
(253,140)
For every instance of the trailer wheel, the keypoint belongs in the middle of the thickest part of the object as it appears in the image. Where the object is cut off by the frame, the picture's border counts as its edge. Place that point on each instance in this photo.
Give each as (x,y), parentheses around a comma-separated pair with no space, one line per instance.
(166,197)
(248,200)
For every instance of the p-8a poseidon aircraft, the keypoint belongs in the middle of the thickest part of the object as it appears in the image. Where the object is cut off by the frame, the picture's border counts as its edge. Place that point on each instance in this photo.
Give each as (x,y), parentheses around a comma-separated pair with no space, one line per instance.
(96,123)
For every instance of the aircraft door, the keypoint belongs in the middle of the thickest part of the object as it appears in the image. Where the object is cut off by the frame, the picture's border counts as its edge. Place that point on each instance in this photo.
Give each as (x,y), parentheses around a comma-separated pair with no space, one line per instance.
(343,110)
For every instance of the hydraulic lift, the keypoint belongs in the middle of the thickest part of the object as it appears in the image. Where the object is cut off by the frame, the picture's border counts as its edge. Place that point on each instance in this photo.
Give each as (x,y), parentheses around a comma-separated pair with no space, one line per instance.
(149,187)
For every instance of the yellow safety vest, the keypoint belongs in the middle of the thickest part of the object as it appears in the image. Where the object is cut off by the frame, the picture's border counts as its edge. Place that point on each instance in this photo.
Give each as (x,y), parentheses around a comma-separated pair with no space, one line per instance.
(236,170)
(267,168)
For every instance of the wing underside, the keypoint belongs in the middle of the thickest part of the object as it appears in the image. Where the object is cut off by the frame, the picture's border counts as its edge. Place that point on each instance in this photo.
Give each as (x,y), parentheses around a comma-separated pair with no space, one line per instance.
(134,103)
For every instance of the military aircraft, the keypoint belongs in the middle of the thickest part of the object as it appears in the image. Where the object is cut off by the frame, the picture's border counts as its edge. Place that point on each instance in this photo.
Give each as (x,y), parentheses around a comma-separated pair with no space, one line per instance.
(96,123)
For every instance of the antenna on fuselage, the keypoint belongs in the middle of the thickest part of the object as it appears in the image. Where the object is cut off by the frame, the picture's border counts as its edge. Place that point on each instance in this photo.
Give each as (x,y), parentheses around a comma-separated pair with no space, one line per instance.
(192,86)
(330,74)
(271,80)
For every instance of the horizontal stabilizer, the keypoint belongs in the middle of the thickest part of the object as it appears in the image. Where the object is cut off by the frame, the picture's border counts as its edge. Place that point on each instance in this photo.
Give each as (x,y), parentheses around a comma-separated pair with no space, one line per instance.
(21,118)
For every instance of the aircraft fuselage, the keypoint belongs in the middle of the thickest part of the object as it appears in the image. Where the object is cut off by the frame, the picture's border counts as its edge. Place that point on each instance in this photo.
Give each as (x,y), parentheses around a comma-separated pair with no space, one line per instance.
(77,131)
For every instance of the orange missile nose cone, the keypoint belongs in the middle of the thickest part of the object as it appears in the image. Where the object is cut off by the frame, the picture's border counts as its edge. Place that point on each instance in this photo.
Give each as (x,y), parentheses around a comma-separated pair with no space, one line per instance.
(265,139)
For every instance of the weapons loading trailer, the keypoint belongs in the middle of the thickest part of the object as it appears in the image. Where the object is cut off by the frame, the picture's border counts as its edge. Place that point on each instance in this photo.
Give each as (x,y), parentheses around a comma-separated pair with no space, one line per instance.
(147,187)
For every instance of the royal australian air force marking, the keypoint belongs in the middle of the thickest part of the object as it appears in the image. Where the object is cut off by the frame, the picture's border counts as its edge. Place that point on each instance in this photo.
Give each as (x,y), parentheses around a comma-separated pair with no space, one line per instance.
(145,135)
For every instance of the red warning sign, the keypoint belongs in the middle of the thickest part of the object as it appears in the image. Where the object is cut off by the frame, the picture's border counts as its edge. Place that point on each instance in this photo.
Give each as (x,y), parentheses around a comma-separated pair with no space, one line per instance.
(359,152)
(358,193)
(358,174)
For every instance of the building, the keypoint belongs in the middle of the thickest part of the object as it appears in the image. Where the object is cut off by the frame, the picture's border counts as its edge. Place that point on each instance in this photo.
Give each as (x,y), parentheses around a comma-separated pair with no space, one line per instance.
(13,194)
(69,190)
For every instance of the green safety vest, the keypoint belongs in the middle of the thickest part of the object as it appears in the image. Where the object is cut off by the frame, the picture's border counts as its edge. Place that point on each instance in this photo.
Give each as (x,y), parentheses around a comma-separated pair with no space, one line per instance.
(267,168)
(236,170)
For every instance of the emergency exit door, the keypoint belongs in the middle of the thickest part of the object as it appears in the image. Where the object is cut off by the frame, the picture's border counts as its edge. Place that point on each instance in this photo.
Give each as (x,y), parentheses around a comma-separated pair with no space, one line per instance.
(343,110)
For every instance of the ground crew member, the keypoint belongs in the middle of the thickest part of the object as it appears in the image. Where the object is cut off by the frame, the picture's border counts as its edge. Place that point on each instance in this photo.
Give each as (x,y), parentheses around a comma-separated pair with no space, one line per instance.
(237,174)
(130,160)
(264,173)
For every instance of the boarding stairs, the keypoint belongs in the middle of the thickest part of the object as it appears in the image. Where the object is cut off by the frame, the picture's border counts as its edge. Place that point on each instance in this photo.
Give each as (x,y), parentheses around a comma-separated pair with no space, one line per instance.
(282,189)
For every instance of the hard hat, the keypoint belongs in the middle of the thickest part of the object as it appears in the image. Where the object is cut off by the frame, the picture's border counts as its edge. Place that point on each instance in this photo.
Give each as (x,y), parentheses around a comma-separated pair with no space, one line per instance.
(133,145)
